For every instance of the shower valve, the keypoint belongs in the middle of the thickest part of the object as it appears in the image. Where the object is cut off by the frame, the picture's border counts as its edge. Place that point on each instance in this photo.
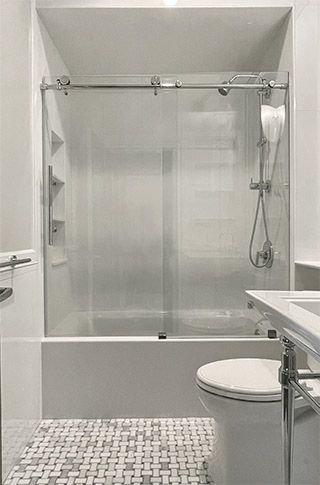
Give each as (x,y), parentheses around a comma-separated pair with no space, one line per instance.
(262,255)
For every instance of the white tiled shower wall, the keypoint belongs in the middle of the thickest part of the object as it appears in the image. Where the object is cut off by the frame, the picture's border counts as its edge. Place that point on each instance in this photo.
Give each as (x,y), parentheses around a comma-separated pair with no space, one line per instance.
(307,104)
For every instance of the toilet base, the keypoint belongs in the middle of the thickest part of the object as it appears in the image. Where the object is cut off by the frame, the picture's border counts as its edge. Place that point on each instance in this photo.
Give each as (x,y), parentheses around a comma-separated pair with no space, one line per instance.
(247,444)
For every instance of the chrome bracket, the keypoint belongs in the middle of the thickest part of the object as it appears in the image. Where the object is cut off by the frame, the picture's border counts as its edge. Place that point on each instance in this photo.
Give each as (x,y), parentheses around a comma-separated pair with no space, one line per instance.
(162,335)
(287,371)
(62,84)
(265,186)
(262,142)
(156,81)
(266,90)
(272,334)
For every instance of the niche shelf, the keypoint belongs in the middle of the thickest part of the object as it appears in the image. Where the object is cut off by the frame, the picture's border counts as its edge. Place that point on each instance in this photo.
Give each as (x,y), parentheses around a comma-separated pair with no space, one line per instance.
(58,220)
(57,181)
(57,156)
(308,264)
(59,262)
(58,199)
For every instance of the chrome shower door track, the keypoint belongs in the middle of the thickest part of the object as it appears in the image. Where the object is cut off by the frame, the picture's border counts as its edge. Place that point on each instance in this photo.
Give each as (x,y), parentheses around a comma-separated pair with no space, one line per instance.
(65,84)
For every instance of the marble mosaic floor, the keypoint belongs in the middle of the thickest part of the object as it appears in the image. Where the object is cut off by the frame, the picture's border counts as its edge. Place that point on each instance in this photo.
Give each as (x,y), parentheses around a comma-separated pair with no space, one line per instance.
(116,451)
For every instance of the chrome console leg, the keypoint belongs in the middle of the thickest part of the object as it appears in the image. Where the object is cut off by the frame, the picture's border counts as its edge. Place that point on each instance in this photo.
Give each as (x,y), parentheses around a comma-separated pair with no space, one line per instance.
(287,371)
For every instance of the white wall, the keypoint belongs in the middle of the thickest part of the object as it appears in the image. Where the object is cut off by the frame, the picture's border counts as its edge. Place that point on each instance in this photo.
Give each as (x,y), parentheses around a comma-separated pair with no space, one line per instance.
(307,104)
(22,314)
(23,62)
(231,39)
(279,56)
(55,110)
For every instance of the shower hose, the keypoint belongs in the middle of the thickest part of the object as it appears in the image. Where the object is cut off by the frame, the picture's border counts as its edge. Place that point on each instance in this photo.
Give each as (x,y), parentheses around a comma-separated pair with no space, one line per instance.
(260,202)
(267,252)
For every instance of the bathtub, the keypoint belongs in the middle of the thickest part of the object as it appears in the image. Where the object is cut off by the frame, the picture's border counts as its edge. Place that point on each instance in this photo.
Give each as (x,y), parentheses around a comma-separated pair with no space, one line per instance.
(109,377)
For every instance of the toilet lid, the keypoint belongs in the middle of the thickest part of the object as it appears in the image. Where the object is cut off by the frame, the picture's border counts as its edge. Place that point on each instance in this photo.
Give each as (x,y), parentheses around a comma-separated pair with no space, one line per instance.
(243,379)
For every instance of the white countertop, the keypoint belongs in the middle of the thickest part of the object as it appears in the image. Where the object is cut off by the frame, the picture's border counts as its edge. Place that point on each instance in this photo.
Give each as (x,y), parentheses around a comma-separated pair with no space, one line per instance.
(294,314)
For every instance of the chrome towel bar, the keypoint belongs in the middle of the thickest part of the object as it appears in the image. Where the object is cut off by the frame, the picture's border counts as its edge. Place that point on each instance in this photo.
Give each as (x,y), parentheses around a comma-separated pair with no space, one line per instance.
(13,261)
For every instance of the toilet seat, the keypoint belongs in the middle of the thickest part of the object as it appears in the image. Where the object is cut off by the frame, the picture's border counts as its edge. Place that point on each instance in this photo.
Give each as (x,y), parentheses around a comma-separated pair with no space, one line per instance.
(242,379)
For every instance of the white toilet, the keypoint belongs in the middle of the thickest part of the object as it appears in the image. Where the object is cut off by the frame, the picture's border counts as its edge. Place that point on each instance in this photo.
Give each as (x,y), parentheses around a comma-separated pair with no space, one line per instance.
(244,398)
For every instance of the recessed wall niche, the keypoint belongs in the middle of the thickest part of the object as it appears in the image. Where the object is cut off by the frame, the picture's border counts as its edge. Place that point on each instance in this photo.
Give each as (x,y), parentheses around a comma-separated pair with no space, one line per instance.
(58,188)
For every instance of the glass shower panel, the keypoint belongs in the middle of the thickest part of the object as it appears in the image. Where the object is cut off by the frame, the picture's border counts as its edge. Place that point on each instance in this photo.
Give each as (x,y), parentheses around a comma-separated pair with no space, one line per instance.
(218,156)
(113,229)
(152,211)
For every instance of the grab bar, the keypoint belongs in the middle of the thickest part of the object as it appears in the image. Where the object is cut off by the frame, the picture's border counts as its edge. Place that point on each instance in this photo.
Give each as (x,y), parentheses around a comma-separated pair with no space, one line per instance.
(50,194)
(5,293)
(13,261)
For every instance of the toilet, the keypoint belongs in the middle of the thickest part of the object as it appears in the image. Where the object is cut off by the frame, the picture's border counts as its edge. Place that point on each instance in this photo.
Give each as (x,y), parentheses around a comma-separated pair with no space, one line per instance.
(244,398)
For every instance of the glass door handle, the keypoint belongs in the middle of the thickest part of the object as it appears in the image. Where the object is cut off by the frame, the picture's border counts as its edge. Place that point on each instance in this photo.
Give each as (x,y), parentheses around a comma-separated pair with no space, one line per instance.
(50,204)
(5,293)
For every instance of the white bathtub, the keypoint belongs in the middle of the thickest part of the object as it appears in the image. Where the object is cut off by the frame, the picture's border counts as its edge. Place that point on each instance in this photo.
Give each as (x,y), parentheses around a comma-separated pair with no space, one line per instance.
(99,377)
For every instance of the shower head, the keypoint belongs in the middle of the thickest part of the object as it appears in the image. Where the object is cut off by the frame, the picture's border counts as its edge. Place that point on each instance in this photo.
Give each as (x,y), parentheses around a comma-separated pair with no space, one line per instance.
(225,91)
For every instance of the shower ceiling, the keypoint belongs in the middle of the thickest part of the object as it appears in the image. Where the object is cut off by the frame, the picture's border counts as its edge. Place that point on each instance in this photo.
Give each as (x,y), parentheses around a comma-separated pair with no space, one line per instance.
(159,40)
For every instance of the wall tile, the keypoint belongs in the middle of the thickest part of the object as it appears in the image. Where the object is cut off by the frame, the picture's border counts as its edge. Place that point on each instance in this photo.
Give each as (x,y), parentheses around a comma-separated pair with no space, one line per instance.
(307,185)
(307,59)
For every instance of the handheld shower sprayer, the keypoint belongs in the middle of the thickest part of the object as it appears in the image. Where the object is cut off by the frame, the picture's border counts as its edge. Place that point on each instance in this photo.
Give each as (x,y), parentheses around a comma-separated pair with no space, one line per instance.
(266,255)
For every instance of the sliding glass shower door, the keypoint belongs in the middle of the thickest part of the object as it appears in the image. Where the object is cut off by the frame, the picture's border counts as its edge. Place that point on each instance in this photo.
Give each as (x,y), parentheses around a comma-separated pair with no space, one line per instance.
(112,155)
(149,209)
(218,158)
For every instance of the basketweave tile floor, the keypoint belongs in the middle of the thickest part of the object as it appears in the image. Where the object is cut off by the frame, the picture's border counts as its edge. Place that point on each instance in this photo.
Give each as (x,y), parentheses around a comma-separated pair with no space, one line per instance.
(116,451)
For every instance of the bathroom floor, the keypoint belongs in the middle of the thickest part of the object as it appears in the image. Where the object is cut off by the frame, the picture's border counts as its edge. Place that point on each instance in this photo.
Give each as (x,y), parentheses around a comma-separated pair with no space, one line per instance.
(114,451)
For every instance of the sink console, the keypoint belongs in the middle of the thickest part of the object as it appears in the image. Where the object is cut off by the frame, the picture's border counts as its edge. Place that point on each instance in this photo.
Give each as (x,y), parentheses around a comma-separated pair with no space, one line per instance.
(296,316)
